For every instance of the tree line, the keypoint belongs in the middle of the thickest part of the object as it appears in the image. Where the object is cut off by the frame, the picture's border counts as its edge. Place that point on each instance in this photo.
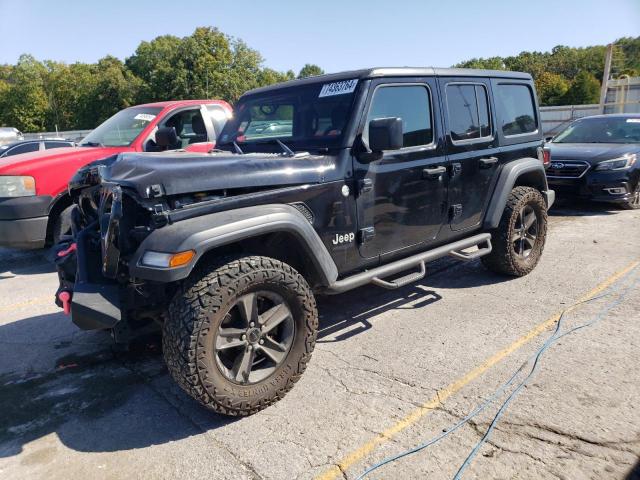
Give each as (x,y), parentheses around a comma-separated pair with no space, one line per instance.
(40,96)
(565,75)
(45,95)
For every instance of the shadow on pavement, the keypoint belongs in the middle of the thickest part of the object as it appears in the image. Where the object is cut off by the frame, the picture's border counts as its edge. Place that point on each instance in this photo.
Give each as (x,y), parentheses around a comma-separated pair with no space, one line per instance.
(23,262)
(634,474)
(346,315)
(100,401)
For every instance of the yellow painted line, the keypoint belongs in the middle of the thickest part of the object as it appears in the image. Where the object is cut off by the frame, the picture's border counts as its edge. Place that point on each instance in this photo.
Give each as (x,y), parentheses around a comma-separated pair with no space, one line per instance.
(33,301)
(362,451)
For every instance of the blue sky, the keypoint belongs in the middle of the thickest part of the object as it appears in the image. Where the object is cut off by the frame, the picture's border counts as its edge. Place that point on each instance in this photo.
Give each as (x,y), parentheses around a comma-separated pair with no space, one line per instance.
(336,35)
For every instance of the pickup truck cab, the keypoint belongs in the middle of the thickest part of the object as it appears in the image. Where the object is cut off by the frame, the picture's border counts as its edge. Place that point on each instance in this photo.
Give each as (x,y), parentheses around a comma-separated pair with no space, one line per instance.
(34,204)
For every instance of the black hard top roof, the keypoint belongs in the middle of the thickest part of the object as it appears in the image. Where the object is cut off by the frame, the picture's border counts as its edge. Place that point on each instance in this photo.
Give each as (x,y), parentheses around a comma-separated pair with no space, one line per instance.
(395,72)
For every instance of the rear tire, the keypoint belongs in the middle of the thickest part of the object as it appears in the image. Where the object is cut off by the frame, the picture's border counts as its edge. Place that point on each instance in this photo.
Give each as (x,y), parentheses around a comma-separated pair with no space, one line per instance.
(520,237)
(239,333)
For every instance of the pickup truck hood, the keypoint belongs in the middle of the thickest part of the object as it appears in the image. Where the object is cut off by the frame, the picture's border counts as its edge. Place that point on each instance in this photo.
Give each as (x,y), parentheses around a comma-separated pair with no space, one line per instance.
(27,162)
(593,153)
(183,172)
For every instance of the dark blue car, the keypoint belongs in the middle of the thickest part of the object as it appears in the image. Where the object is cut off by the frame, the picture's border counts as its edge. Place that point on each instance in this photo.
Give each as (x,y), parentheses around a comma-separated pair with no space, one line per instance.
(598,158)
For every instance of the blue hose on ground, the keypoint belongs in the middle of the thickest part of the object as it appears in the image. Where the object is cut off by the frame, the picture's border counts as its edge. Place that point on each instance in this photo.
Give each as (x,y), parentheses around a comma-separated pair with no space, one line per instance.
(535,357)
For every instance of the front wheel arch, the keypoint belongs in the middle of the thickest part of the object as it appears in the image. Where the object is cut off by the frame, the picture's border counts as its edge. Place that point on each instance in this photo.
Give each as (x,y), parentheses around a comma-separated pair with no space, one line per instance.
(58,205)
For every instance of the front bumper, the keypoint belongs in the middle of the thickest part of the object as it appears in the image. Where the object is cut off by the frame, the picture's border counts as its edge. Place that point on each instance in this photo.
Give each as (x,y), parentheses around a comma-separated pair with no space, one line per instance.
(610,187)
(94,304)
(23,221)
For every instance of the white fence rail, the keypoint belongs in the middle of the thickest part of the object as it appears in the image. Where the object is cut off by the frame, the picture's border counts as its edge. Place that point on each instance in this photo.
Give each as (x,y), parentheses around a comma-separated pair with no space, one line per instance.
(74,135)
(554,119)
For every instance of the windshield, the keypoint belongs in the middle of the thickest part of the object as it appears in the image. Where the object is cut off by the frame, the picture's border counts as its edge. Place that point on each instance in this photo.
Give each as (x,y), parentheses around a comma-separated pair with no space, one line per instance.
(303,117)
(601,130)
(121,129)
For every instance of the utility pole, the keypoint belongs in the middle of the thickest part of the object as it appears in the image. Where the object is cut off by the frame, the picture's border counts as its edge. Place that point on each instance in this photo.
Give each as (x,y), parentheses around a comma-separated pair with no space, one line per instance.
(605,77)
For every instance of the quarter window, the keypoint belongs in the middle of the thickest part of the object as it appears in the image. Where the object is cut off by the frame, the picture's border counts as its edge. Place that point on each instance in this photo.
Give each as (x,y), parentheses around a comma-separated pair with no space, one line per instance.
(411,103)
(468,109)
(516,108)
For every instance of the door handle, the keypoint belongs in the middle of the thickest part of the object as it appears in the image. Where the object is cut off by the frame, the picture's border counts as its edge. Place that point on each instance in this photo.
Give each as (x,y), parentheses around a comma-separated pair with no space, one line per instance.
(488,162)
(433,173)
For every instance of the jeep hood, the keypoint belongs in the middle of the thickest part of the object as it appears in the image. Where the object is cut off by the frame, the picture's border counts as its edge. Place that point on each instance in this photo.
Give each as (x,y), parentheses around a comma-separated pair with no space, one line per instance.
(593,153)
(183,172)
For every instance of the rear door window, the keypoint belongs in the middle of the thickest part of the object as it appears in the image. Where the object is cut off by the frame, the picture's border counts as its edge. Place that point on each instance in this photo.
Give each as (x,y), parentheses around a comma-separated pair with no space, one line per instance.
(24,148)
(468,111)
(516,109)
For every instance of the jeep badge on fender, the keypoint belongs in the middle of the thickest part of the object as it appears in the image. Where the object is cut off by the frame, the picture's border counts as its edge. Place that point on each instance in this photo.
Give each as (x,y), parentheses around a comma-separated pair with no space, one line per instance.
(346,238)
(227,249)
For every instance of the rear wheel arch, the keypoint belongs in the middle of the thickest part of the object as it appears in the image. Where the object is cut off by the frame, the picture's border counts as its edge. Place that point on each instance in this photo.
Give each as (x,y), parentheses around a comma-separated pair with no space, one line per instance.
(525,172)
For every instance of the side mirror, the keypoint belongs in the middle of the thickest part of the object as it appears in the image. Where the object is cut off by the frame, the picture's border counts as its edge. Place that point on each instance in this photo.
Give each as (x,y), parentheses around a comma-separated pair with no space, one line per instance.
(548,139)
(166,137)
(385,134)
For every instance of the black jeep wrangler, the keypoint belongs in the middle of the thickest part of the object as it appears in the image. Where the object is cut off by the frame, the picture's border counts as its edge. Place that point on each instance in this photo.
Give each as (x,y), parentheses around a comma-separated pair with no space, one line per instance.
(316,186)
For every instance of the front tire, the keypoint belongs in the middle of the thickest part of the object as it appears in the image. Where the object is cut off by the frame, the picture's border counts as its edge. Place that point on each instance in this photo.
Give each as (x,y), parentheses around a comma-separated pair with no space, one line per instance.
(520,237)
(239,333)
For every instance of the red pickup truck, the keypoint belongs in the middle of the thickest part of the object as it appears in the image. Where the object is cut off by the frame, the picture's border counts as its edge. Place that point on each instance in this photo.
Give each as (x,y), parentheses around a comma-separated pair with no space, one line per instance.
(34,206)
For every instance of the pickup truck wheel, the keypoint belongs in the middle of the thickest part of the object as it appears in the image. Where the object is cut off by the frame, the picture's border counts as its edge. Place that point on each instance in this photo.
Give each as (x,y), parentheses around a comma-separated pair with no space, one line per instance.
(239,333)
(520,237)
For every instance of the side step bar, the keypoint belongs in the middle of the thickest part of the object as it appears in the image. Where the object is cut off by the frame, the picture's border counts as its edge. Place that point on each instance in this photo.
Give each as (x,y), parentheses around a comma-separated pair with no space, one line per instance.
(482,241)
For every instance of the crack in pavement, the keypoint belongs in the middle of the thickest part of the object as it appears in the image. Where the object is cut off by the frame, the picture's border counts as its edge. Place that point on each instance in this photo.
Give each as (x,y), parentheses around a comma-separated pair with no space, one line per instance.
(162,395)
(391,377)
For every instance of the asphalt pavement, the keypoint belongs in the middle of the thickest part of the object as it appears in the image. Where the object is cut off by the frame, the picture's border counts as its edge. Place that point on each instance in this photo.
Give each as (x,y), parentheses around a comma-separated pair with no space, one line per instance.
(391,370)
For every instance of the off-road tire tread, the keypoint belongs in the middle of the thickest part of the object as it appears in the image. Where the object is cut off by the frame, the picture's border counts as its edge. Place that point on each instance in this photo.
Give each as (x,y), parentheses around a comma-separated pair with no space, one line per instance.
(502,258)
(190,312)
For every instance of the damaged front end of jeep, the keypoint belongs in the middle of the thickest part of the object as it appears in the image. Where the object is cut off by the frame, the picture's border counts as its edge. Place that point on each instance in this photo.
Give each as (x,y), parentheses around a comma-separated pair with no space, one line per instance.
(115,272)
(93,262)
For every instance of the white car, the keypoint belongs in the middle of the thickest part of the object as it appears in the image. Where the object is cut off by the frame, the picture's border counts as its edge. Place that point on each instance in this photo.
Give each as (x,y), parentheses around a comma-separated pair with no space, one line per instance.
(9,135)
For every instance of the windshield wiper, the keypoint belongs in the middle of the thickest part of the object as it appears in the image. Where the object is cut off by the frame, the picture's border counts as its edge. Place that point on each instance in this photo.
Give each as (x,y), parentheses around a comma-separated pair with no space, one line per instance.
(91,144)
(285,149)
(237,148)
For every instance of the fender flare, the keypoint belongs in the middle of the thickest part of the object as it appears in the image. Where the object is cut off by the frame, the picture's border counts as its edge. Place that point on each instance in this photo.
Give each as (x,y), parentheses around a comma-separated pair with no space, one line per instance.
(532,172)
(204,233)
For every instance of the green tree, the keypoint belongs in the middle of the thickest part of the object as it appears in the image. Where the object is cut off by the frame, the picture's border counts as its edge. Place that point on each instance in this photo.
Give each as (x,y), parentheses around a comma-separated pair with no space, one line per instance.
(551,88)
(268,76)
(24,102)
(492,63)
(584,89)
(310,70)
(158,65)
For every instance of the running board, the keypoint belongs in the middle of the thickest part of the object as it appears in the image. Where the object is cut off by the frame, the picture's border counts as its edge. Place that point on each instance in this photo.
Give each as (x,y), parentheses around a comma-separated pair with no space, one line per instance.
(375,276)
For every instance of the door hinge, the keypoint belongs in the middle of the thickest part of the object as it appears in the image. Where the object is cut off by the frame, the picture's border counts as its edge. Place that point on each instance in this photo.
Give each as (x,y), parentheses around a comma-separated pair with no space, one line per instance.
(365,185)
(456,211)
(366,234)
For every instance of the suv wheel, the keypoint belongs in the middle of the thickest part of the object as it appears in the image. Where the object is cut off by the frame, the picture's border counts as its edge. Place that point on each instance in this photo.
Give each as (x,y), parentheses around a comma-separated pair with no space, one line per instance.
(519,239)
(240,333)
(634,202)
